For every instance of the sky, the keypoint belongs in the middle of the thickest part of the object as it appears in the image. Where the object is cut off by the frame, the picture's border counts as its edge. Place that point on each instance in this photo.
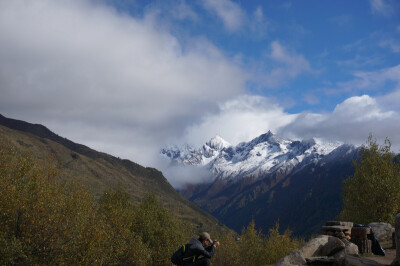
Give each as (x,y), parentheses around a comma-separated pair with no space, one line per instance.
(129,77)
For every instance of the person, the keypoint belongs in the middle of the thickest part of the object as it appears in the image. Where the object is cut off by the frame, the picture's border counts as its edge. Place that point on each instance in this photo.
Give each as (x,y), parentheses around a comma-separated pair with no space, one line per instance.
(200,251)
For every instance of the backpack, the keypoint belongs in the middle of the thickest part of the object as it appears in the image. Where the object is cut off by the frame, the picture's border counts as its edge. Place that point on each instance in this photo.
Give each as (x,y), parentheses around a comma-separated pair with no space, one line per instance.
(178,256)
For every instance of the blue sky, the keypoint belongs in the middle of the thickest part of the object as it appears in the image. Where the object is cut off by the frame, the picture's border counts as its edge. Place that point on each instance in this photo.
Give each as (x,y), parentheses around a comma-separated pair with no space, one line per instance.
(128,77)
(332,39)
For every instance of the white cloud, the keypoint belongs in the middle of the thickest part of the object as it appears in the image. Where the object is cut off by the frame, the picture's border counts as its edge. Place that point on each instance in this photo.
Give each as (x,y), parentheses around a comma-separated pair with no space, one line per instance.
(229,12)
(392,44)
(372,80)
(311,99)
(287,65)
(362,108)
(179,176)
(239,119)
(281,54)
(361,61)
(258,14)
(351,122)
(258,24)
(86,70)
(184,11)
(381,7)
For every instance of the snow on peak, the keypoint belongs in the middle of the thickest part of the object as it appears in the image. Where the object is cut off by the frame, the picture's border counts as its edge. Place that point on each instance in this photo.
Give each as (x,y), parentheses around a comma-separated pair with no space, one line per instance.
(264,154)
(218,143)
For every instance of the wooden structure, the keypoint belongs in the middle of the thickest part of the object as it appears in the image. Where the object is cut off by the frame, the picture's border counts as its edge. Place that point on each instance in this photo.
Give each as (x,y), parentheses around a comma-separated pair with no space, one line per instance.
(359,236)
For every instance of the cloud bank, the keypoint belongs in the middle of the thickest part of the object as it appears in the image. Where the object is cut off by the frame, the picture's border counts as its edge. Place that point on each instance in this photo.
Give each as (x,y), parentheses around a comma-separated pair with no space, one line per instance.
(351,122)
(89,72)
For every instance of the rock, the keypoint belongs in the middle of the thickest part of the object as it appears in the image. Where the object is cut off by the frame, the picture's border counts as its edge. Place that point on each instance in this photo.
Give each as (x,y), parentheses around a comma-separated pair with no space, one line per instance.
(332,223)
(319,261)
(336,228)
(309,249)
(322,246)
(382,231)
(293,258)
(357,261)
(340,235)
(333,246)
(397,236)
(350,249)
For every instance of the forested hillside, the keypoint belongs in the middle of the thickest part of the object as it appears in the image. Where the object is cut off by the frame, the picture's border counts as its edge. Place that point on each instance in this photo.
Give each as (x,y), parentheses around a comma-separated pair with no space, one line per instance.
(99,171)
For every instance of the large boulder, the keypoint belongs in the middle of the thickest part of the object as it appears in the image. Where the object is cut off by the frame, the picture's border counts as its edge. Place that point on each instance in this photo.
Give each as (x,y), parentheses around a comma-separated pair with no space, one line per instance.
(293,258)
(383,231)
(323,250)
(322,246)
(309,249)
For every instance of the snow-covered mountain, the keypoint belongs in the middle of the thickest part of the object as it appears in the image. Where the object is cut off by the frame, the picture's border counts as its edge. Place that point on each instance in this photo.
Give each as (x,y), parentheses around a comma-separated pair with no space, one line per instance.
(269,179)
(257,158)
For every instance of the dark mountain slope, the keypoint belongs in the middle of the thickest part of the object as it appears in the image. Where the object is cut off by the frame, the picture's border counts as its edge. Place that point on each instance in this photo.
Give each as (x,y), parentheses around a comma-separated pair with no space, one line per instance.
(100,171)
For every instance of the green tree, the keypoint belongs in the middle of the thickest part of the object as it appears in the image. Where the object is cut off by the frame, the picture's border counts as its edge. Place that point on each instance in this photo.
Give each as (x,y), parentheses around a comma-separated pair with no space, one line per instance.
(373,193)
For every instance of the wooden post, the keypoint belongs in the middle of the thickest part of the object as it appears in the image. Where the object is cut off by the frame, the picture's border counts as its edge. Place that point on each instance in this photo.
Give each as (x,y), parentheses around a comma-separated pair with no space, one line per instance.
(359,237)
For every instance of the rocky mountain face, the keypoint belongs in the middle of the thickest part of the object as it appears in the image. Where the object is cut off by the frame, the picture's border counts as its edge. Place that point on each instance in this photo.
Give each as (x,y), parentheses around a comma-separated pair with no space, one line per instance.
(269,179)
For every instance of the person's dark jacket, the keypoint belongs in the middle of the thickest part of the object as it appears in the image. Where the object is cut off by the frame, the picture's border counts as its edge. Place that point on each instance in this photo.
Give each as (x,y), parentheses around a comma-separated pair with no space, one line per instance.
(195,250)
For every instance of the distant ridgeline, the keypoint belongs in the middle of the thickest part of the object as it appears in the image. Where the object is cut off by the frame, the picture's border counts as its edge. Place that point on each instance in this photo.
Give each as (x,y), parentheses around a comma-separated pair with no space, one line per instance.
(269,179)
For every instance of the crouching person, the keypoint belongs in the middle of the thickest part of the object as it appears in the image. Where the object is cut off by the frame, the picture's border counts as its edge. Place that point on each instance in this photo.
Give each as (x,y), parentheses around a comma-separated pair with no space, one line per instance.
(198,251)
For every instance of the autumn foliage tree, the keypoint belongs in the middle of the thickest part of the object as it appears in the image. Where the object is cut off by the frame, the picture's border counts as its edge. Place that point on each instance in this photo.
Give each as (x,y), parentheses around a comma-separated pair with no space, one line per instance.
(373,193)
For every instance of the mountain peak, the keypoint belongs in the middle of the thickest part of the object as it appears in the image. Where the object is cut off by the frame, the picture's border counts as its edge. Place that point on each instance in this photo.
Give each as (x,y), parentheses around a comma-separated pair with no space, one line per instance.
(266,137)
(218,143)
